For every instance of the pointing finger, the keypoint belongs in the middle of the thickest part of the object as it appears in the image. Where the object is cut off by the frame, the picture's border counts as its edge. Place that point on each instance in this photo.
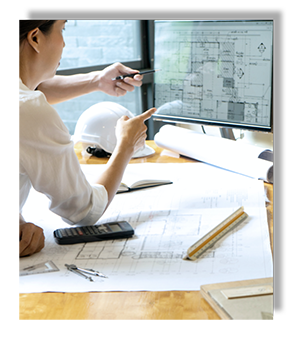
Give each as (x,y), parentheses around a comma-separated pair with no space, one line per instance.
(146,115)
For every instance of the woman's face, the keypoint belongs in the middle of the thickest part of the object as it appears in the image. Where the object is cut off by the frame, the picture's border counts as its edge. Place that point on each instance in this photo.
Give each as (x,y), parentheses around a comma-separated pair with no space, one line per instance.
(52,49)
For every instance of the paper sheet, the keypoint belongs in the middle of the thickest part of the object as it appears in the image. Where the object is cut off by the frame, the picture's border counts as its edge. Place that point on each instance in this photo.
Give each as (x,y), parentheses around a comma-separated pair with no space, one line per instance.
(228,154)
(167,220)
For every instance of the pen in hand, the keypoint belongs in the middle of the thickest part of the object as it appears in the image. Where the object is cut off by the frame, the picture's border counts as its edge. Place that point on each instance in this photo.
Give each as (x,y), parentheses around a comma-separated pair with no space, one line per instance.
(121,77)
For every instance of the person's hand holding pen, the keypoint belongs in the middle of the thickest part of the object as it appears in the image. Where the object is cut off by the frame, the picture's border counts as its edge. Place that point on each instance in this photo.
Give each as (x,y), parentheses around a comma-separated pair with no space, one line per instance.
(118,87)
(115,80)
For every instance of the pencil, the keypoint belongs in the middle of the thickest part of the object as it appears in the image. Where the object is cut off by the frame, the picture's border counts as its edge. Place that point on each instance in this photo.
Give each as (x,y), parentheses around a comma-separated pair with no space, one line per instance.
(121,77)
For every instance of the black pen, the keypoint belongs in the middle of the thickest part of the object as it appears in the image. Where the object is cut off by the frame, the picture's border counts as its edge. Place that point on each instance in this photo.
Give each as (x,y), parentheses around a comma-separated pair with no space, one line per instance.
(121,77)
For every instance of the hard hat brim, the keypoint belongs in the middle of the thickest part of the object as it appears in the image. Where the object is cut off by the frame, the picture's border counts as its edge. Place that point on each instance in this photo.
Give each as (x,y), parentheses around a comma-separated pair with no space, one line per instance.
(144,152)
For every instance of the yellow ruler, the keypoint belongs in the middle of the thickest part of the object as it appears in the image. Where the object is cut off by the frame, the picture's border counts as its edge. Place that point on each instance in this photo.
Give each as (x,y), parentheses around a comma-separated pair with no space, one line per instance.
(207,241)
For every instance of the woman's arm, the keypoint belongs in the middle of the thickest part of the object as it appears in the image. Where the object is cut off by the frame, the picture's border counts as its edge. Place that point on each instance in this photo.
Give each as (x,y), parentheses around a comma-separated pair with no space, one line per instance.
(62,88)
(131,135)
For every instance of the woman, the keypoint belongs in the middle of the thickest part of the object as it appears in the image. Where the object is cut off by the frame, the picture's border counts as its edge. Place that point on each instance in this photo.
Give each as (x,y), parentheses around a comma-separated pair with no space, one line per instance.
(47,158)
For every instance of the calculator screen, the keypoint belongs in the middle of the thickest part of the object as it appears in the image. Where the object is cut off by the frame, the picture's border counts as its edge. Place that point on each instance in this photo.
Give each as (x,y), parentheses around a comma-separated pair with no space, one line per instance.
(115,228)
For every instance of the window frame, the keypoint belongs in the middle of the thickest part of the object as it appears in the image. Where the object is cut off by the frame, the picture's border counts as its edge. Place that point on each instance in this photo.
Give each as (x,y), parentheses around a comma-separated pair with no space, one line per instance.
(146,63)
(139,64)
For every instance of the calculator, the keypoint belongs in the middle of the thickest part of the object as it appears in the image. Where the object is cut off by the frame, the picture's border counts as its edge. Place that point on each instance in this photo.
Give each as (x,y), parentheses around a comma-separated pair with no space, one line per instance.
(107,231)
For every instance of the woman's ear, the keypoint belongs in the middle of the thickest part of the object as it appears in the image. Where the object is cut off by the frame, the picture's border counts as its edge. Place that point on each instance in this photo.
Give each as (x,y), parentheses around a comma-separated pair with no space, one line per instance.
(33,38)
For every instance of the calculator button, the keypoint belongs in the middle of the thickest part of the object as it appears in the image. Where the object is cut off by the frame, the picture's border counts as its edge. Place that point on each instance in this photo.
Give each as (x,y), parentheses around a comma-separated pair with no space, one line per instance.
(101,230)
(96,230)
(63,232)
(85,230)
(59,234)
(74,232)
(91,230)
(69,232)
(79,231)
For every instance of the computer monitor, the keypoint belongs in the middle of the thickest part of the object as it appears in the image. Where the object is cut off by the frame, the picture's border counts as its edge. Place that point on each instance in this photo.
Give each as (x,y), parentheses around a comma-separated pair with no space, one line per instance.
(214,72)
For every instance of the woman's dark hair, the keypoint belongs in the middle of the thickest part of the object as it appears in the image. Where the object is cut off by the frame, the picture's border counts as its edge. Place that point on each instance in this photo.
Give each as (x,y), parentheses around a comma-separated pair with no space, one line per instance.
(25,26)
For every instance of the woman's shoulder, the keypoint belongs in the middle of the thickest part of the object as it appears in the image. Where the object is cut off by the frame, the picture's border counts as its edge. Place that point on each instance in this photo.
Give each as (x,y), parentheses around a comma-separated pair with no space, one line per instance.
(33,102)
(27,96)
(38,117)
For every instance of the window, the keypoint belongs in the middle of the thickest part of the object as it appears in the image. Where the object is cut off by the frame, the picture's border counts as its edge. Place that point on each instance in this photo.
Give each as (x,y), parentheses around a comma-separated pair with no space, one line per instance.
(98,42)
(92,45)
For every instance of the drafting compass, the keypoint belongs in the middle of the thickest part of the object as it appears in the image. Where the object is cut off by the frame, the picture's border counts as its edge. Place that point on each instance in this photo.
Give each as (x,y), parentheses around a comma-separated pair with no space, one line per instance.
(82,272)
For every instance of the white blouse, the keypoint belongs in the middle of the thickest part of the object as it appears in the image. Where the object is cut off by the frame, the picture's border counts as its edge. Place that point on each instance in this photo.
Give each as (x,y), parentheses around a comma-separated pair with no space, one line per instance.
(47,162)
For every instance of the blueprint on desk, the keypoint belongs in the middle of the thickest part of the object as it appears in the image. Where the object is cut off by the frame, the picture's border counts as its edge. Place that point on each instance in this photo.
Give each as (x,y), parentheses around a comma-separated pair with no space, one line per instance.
(167,221)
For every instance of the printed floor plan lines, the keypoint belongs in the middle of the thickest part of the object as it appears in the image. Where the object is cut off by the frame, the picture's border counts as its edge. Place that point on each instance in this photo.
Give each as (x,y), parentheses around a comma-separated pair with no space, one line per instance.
(167,220)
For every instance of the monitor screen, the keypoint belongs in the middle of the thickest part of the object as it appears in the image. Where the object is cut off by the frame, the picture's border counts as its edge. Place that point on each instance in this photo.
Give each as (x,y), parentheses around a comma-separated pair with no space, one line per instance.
(214,72)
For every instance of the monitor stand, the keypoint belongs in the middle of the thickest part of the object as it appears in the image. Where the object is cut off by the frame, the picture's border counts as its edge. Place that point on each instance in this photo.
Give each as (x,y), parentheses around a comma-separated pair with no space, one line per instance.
(227,133)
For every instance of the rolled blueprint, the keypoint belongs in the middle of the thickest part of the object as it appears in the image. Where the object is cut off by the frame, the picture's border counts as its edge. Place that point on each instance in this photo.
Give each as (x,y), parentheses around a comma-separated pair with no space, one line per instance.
(228,154)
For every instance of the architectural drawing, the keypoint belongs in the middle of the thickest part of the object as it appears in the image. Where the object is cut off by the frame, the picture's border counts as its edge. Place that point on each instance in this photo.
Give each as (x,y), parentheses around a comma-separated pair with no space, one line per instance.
(214,74)
(162,237)
(167,220)
(159,245)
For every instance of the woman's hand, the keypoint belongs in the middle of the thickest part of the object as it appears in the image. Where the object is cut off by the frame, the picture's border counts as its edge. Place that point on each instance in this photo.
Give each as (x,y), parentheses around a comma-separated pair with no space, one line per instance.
(66,87)
(117,87)
(131,132)
(31,239)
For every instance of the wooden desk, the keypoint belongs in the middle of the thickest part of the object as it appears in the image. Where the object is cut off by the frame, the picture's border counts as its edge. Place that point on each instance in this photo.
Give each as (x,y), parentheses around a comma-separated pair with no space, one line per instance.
(126,305)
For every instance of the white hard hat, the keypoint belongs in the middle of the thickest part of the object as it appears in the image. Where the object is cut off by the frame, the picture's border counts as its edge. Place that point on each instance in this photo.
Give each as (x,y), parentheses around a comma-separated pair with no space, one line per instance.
(96,127)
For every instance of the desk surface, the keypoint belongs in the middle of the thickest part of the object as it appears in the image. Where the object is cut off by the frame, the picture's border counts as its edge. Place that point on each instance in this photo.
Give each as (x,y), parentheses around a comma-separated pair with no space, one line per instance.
(126,305)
